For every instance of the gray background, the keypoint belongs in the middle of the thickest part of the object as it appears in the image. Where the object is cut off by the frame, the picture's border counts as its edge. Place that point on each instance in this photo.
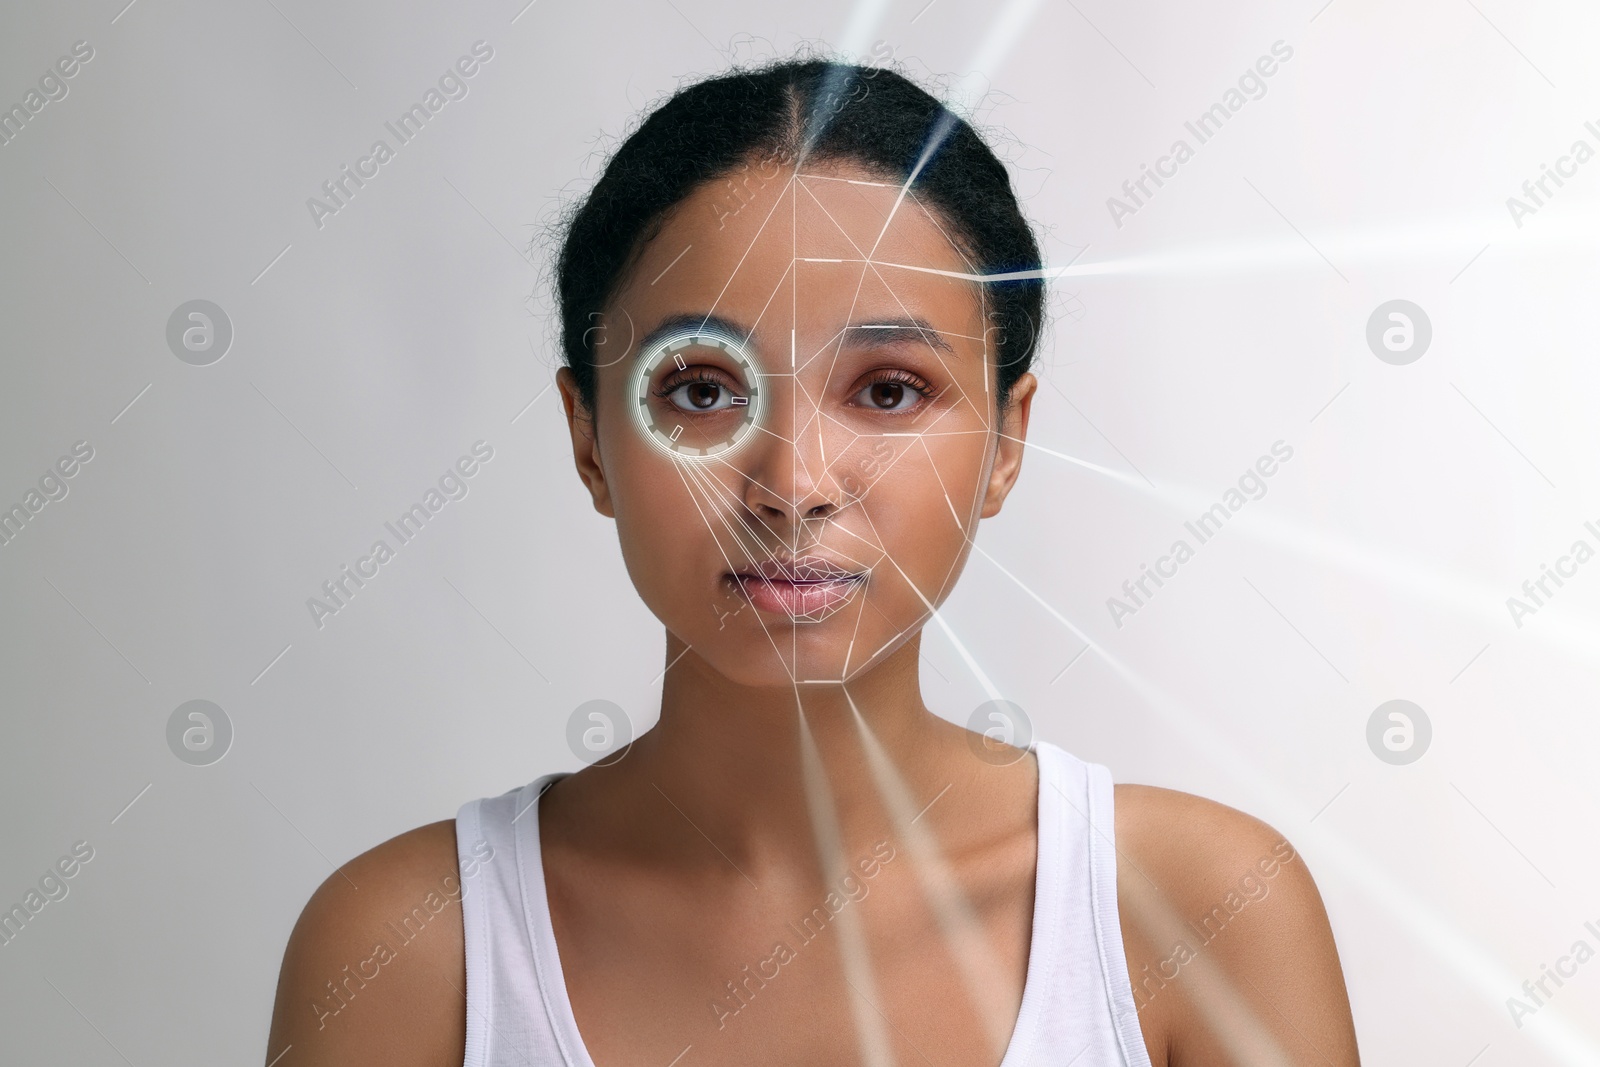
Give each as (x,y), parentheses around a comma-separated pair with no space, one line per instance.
(1228,313)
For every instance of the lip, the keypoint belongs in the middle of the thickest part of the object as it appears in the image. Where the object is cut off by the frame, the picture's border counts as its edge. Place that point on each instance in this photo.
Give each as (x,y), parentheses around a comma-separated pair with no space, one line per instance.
(803,588)
(802,570)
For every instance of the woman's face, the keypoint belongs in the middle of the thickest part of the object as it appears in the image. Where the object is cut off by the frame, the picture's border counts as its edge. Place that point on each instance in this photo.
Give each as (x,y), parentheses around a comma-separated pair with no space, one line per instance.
(794,504)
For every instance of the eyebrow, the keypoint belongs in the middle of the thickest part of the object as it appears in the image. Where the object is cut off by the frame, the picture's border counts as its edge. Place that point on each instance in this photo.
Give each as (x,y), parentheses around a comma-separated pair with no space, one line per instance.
(896,331)
(687,321)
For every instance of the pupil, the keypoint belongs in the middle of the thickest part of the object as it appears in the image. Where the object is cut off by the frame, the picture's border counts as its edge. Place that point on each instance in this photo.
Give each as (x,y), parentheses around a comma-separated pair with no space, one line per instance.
(703,394)
(887,394)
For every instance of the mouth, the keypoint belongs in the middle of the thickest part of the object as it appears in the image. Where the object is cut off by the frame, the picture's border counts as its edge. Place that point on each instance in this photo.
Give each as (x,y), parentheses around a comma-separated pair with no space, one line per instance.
(802,588)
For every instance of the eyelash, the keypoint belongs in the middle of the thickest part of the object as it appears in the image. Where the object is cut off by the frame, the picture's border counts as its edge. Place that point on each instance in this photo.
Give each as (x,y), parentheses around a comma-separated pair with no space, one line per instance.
(678,380)
(902,377)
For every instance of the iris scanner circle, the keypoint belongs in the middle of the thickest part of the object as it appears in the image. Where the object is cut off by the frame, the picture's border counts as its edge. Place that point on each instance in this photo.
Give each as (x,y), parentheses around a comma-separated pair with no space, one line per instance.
(677,438)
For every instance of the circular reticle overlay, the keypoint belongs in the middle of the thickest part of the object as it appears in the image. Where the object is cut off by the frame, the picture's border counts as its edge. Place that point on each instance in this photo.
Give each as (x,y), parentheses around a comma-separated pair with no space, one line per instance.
(697,358)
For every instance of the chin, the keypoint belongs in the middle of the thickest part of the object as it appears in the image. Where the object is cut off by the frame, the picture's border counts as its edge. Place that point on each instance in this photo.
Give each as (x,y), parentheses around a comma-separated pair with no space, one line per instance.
(783,654)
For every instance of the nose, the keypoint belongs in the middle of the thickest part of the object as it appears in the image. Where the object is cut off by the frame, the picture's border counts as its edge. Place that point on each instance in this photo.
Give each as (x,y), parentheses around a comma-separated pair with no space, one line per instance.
(787,476)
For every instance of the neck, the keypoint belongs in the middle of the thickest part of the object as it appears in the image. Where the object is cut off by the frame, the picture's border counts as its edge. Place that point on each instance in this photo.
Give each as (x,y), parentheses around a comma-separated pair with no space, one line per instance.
(734,758)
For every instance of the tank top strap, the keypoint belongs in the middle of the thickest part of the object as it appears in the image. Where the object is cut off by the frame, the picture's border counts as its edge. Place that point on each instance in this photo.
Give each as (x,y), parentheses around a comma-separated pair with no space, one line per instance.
(1089,1007)
(502,883)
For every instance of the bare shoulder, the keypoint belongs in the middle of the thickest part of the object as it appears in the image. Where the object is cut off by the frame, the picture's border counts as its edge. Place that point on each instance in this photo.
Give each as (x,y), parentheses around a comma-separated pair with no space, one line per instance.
(374,972)
(1229,948)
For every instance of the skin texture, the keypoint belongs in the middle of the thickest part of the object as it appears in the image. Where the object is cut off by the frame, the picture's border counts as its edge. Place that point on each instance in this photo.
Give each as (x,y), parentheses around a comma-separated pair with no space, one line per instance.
(673,869)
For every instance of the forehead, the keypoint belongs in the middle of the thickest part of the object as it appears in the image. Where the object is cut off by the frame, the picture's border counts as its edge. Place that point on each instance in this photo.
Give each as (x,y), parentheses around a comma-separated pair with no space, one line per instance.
(811,250)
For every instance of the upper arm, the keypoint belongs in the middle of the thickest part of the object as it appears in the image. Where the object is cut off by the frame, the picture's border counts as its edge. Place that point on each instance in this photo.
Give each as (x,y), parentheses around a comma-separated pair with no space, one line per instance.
(1229,948)
(374,972)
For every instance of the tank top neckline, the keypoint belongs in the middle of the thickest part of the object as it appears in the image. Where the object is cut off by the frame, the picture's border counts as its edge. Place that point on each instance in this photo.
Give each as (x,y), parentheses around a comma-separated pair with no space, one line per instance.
(1037,981)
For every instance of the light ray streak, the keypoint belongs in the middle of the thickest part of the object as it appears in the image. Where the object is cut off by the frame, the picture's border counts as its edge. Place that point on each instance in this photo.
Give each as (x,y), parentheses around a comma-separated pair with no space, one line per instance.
(1228,1016)
(1489,977)
(1004,33)
(980,968)
(954,570)
(686,472)
(946,360)
(865,18)
(847,181)
(747,540)
(962,275)
(1443,240)
(960,646)
(933,466)
(1486,974)
(983,298)
(1041,601)
(1568,632)
(853,953)
(1231,1017)
(1101,433)
(1114,475)
(1447,240)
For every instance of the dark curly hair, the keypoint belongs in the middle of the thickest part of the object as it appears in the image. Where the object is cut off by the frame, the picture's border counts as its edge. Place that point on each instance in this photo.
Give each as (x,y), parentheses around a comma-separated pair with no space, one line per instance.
(801,109)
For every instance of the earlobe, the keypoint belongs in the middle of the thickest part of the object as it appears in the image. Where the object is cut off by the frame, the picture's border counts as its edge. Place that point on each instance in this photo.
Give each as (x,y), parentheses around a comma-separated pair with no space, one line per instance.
(585,441)
(1011,443)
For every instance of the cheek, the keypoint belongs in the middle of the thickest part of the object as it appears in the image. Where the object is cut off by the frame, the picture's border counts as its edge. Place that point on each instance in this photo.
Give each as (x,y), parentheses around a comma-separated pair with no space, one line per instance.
(661,555)
(656,518)
(673,527)
(924,507)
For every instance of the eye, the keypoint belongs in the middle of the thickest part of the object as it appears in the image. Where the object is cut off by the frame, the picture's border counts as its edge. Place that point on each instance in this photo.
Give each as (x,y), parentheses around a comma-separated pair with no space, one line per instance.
(697,391)
(894,390)
(700,396)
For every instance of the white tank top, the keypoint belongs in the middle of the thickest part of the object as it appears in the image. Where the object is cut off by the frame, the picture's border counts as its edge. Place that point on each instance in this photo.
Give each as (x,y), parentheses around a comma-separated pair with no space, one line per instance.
(1077,1002)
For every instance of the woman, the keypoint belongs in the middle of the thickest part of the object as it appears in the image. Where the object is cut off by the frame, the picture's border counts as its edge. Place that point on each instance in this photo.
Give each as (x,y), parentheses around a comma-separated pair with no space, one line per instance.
(798,311)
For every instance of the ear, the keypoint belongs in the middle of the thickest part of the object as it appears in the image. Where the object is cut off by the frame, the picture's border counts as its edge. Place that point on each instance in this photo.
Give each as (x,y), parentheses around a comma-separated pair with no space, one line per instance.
(1008,450)
(585,442)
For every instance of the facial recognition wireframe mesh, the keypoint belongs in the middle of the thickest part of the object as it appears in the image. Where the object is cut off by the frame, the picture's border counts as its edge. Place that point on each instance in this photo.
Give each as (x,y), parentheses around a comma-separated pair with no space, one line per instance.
(708,396)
